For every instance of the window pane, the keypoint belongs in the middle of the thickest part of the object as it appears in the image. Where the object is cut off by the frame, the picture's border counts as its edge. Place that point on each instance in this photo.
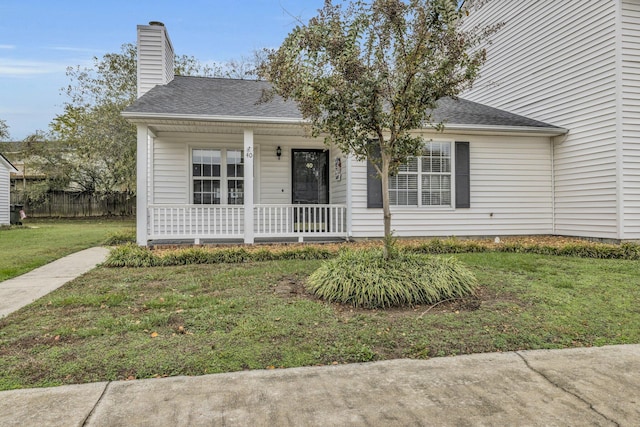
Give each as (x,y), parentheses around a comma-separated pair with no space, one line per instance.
(410,166)
(235,160)
(435,164)
(197,169)
(446,165)
(412,182)
(206,170)
(215,192)
(412,198)
(197,156)
(426,164)
(393,182)
(446,198)
(235,192)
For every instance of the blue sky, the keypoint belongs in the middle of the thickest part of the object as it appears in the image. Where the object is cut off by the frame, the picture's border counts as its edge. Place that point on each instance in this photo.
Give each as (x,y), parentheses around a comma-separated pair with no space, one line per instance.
(40,38)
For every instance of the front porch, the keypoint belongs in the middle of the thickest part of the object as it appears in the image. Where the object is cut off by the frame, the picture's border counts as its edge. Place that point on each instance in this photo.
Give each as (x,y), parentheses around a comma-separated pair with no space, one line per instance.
(228,222)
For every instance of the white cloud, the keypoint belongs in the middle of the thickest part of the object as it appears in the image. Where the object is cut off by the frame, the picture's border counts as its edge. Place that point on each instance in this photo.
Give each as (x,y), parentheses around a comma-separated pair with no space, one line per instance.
(25,68)
(7,46)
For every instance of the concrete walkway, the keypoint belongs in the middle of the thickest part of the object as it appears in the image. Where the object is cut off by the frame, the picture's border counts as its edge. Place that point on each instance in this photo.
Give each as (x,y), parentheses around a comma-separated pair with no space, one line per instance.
(575,387)
(23,290)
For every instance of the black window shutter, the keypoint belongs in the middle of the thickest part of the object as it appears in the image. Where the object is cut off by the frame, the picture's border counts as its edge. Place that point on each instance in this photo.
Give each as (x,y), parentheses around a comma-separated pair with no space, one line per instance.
(374,183)
(463,196)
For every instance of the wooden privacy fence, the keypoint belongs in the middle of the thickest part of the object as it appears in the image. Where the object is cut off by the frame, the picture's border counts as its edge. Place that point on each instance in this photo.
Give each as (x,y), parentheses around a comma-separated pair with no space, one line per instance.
(74,204)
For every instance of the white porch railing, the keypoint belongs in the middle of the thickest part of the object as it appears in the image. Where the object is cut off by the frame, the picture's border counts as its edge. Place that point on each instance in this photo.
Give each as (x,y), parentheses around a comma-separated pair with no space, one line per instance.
(300,220)
(195,221)
(228,221)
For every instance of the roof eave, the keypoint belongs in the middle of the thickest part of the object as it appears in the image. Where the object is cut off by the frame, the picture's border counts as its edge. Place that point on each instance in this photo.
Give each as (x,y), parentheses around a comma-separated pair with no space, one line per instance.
(8,164)
(489,129)
(137,117)
(142,117)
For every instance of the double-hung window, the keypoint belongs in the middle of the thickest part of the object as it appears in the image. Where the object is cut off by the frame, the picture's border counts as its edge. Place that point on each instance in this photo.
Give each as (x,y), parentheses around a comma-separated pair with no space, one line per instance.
(235,177)
(218,176)
(424,180)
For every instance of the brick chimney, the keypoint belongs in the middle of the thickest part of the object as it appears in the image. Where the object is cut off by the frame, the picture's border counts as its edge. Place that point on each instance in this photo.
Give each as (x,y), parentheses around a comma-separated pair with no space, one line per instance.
(155,57)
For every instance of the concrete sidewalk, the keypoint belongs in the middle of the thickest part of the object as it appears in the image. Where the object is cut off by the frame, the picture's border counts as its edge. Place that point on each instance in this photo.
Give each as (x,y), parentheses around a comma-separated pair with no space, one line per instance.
(575,387)
(23,290)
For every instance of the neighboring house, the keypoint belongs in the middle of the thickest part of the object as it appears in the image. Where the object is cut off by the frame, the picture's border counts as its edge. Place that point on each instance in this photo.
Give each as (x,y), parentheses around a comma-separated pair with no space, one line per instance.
(214,163)
(27,174)
(6,168)
(574,63)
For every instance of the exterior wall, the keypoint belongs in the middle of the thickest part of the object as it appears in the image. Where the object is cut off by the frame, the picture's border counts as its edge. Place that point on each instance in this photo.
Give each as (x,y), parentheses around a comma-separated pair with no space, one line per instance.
(630,117)
(170,181)
(511,194)
(155,57)
(275,175)
(556,62)
(4,196)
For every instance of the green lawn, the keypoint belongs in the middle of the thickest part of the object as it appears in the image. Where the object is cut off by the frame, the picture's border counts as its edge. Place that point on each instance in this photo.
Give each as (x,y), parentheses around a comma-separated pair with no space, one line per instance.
(39,242)
(191,320)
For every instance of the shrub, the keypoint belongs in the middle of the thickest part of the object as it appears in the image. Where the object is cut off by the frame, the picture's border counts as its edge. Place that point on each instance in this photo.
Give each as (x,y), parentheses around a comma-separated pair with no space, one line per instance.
(131,255)
(120,237)
(363,278)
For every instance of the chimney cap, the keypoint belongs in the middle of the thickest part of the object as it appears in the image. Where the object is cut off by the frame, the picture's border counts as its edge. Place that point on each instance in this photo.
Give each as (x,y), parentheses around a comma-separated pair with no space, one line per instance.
(157,23)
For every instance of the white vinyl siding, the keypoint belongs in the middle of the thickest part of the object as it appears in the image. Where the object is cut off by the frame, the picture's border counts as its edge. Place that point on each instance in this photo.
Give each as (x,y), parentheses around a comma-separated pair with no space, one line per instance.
(4,195)
(555,62)
(511,194)
(155,58)
(170,172)
(274,182)
(630,117)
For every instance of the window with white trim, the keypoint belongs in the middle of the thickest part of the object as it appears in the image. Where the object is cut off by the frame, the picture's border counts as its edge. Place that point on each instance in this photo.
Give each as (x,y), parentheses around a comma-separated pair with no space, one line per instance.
(424,180)
(218,176)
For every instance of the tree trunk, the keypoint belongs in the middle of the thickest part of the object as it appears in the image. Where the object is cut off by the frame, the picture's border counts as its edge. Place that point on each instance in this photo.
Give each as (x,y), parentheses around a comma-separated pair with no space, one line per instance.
(387,249)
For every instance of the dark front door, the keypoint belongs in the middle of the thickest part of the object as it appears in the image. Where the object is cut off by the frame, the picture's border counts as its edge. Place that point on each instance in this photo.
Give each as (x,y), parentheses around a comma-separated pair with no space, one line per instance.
(310,186)
(310,177)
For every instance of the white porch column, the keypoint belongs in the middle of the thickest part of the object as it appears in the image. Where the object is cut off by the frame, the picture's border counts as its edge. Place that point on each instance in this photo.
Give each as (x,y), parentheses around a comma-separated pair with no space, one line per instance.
(249,154)
(142,182)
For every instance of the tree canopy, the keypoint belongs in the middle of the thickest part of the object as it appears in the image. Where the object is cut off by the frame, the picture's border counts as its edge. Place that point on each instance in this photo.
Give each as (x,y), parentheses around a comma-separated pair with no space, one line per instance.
(365,75)
(4,130)
(90,141)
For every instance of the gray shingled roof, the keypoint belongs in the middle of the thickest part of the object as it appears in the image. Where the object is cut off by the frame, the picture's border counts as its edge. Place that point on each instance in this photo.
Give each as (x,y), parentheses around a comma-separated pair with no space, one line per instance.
(204,96)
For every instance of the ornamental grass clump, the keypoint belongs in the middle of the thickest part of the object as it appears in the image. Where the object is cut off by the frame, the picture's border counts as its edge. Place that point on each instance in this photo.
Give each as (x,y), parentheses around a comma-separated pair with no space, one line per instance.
(363,278)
